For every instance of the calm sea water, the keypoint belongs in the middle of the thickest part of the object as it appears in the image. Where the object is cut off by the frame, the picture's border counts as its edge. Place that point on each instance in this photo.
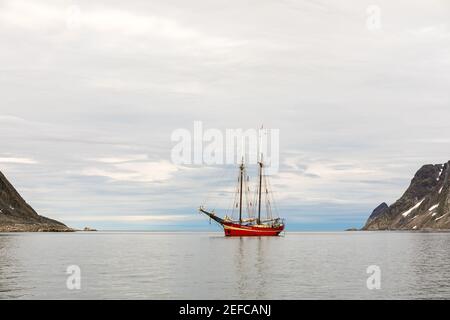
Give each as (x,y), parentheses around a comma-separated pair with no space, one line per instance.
(133,265)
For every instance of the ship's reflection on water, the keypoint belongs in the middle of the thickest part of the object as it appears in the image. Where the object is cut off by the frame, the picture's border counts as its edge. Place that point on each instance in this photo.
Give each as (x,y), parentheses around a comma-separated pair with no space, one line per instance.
(252,274)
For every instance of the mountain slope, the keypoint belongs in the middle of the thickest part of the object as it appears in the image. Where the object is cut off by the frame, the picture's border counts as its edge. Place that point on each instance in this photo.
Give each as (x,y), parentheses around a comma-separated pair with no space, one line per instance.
(17,215)
(425,205)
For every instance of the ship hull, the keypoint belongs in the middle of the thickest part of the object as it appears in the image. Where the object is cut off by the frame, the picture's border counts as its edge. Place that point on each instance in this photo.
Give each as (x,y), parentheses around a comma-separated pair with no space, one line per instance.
(234,229)
(237,230)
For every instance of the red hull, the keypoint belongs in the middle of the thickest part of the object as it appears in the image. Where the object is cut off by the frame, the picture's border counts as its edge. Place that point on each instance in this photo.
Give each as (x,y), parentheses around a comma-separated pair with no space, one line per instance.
(237,230)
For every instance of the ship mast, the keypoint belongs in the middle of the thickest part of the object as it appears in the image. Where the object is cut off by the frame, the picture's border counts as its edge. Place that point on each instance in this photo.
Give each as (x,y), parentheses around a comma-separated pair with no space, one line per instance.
(240,190)
(259,192)
(260,176)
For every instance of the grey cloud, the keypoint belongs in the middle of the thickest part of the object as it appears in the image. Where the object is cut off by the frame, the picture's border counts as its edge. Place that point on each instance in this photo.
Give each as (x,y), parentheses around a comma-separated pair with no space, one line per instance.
(349,101)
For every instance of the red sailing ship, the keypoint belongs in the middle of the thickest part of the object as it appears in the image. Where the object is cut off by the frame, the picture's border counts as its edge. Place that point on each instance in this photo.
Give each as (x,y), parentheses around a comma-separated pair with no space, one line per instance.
(253,224)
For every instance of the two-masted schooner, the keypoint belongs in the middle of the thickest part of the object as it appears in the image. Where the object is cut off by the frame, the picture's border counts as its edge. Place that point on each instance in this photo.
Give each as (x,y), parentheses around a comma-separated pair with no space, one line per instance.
(253,224)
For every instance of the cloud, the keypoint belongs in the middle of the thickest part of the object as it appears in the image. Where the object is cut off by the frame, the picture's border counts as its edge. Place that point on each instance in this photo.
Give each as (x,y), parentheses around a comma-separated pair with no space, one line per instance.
(29,15)
(91,92)
(134,171)
(439,31)
(122,158)
(193,87)
(100,19)
(131,218)
(16,160)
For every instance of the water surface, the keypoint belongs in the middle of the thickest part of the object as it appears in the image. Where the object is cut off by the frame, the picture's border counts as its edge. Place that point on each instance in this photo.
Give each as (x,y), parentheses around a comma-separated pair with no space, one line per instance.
(148,265)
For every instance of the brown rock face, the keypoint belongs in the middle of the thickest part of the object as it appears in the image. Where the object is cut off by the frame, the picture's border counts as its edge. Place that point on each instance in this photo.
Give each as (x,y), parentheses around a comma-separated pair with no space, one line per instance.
(17,216)
(424,206)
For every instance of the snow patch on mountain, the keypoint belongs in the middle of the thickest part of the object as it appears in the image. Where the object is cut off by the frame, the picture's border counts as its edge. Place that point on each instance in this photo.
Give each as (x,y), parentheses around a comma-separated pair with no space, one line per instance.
(405,214)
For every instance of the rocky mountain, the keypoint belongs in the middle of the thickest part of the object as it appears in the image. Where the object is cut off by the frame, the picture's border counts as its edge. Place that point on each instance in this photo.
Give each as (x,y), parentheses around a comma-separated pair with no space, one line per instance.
(425,205)
(17,215)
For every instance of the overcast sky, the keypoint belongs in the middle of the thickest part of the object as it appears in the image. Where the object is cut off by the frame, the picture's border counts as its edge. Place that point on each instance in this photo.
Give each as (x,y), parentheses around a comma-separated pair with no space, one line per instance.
(91,91)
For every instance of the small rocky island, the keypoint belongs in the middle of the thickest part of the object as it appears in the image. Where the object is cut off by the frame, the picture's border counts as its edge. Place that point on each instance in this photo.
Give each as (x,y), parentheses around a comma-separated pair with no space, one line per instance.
(425,205)
(17,216)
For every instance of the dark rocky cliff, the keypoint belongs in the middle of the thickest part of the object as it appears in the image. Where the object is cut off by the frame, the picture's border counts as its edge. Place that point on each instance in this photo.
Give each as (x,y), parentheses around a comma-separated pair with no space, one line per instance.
(425,205)
(17,215)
